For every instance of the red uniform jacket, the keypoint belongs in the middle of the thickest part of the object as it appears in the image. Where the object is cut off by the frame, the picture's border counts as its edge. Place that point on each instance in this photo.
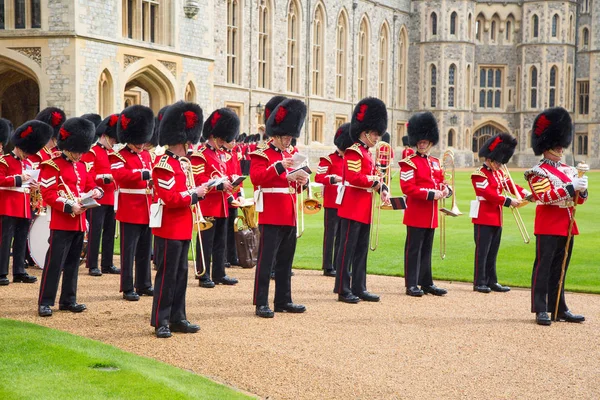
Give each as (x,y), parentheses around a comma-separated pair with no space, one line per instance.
(54,175)
(551,185)
(488,187)
(407,152)
(268,173)
(132,173)
(97,163)
(43,155)
(233,158)
(358,179)
(329,166)
(420,175)
(176,190)
(14,199)
(210,163)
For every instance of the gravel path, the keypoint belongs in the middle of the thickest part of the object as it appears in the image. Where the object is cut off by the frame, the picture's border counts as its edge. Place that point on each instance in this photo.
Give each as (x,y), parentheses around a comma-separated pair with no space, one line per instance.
(465,345)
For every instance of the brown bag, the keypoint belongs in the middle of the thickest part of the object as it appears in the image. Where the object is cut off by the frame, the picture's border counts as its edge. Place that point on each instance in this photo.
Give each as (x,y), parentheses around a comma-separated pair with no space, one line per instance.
(247,247)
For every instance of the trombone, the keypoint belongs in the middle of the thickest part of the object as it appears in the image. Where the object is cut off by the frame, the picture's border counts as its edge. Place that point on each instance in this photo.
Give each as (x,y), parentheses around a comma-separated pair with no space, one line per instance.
(383,165)
(310,205)
(515,210)
(447,164)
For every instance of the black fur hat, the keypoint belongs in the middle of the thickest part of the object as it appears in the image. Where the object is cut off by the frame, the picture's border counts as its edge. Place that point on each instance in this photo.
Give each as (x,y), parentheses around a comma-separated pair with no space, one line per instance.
(287,119)
(369,114)
(552,128)
(95,118)
(54,117)
(242,137)
(386,137)
(157,119)
(108,126)
(76,135)
(223,124)
(423,126)
(181,123)
(500,148)
(6,128)
(404,140)
(271,105)
(342,138)
(32,136)
(136,124)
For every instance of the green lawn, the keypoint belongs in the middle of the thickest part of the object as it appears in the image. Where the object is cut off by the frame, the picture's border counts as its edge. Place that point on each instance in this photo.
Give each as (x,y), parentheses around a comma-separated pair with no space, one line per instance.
(42,363)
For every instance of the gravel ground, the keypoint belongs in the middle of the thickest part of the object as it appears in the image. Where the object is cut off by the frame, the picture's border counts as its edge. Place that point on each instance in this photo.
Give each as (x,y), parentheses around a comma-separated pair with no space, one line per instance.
(464,345)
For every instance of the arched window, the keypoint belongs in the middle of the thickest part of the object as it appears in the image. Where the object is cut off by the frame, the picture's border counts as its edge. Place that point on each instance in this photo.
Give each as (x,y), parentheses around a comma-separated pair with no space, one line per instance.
(518,90)
(586,37)
(479,28)
(317,51)
(508,29)
(433,23)
(451,138)
(383,66)
(468,91)
(233,41)
(555,27)
(105,94)
(585,6)
(493,31)
(568,93)
(190,93)
(363,58)
(144,20)
(341,46)
(264,44)
(432,86)
(402,57)
(571,28)
(453,18)
(535,25)
(533,82)
(470,28)
(293,45)
(552,84)
(490,88)
(510,23)
(451,85)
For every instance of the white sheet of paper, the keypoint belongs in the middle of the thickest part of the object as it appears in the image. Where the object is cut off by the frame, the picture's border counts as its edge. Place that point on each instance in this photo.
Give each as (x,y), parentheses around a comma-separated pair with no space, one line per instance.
(298,159)
(34,175)
(216,182)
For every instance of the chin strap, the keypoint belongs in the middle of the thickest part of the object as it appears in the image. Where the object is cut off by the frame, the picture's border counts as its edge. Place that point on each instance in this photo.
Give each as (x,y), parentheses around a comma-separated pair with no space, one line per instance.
(554,153)
(368,137)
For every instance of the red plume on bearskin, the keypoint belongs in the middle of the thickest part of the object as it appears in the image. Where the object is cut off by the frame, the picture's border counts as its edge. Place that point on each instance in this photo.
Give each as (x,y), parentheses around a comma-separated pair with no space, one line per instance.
(271,105)
(267,114)
(125,122)
(27,132)
(370,114)
(214,118)
(191,119)
(56,118)
(551,128)
(361,114)
(32,136)
(541,125)
(500,148)
(280,116)
(287,119)
(223,124)
(64,134)
(53,116)
(76,135)
(113,119)
(495,143)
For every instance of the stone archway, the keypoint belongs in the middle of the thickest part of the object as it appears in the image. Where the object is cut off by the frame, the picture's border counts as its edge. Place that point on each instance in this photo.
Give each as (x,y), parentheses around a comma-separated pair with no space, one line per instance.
(19,92)
(483,133)
(150,87)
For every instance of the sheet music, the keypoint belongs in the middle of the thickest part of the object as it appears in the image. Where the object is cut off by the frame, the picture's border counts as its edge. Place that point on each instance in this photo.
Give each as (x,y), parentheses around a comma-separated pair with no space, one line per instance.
(298,159)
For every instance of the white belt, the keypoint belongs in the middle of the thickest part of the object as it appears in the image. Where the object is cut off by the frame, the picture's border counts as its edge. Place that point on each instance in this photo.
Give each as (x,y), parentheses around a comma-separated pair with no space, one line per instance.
(258,195)
(288,190)
(560,204)
(370,190)
(16,189)
(136,191)
(480,198)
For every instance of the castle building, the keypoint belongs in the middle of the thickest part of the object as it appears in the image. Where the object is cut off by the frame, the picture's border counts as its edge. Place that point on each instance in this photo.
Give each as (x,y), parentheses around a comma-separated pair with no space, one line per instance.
(480,67)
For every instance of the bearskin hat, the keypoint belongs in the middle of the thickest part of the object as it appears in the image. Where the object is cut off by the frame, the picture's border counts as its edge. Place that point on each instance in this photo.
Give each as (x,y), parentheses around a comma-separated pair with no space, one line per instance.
(552,128)
(287,119)
(342,138)
(223,124)
(32,136)
(76,135)
(404,140)
(108,126)
(54,117)
(135,125)
(370,114)
(500,148)
(6,128)
(180,124)
(386,137)
(423,126)
(272,104)
(95,118)
(242,137)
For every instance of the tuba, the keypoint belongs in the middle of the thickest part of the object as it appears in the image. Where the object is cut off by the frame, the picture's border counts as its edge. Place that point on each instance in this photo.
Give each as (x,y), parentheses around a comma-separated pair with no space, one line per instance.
(512,191)
(383,165)
(448,170)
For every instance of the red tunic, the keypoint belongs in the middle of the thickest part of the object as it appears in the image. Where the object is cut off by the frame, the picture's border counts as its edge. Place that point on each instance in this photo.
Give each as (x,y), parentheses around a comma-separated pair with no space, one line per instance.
(358,179)
(407,152)
(97,163)
(551,185)
(329,167)
(233,159)
(132,173)
(420,175)
(178,195)
(14,199)
(54,175)
(43,155)
(210,163)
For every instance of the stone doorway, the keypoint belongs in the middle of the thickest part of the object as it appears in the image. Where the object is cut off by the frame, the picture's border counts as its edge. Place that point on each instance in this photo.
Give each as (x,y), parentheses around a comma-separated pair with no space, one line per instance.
(148,87)
(19,93)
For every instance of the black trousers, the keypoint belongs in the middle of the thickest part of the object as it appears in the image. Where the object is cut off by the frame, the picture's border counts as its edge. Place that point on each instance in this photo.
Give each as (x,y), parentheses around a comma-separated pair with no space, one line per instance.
(275,251)
(102,225)
(417,256)
(231,252)
(549,253)
(136,245)
(213,244)
(63,256)
(245,166)
(352,258)
(331,237)
(14,234)
(168,305)
(487,242)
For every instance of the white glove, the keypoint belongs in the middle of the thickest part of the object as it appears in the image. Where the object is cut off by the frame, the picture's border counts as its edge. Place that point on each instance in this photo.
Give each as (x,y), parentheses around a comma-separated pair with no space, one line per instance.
(580,184)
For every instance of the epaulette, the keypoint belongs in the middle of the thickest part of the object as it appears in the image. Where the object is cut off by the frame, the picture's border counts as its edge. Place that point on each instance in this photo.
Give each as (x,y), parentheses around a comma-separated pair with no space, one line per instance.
(52,164)
(479,172)
(227,157)
(326,158)
(152,157)
(3,161)
(355,147)
(260,152)
(88,166)
(92,151)
(263,146)
(118,155)
(199,154)
(408,161)
(537,171)
(164,163)
(239,155)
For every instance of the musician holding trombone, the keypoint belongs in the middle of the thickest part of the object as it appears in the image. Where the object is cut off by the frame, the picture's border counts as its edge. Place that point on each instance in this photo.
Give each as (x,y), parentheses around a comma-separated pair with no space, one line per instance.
(493,189)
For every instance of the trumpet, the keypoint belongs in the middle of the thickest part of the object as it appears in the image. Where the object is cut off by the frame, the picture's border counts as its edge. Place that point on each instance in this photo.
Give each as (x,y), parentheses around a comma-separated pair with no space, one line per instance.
(383,162)
(510,191)
(447,164)
(68,194)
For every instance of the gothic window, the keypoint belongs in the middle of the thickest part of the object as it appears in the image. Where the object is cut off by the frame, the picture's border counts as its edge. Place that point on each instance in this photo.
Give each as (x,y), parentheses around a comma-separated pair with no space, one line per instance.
(190,93)
(552,84)
(470,28)
(585,6)
(20,14)
(433,23)
(508,31)
(451,136)
(582,144)
(383,59)
(293,46)
(468,91)
(535,23)
(432,85)
(451,85)
(143,20)
(479,28)
(583,97)
(568,90)
(571,28)
(555,21)
(341,47)
(453,18)
(533,83)
(493,31)
(105,100)
(363,54)
(586,37)
(233,41)
(402,58)
(317,50)
(264,44)
(490,87)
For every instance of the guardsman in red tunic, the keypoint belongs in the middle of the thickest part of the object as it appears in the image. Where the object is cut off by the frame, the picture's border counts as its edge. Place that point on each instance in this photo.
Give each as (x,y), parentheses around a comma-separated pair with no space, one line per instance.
(64,180)
(360,180)
(131,168)
(177,195)
(490,186)
(15,203)
(233,158)
(210,165)
(276,204)
(54,117)
(101,219)
(329,174)
(422,182)
(555,187)
(407,151)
